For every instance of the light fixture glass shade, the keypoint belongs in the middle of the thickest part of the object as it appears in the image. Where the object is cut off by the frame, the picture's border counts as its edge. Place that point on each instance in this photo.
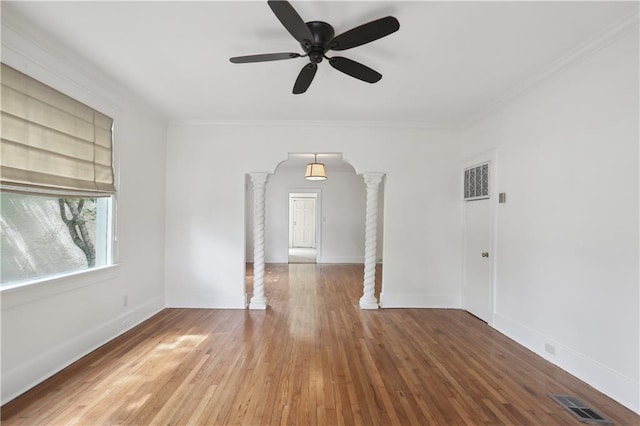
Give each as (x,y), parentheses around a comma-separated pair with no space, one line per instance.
(315,171)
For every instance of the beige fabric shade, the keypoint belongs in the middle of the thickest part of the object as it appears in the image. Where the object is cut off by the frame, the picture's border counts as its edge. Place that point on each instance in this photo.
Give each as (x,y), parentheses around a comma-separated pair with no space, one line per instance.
(51,141)
(315,171)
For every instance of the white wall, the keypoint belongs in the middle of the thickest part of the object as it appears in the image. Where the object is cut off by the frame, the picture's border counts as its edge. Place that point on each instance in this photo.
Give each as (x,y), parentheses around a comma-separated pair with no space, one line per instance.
(47,326)
(567,238)
(341,221)
(207,164)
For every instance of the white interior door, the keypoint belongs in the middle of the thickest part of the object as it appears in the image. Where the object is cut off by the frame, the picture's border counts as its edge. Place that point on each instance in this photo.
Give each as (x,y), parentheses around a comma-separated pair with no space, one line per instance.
(478,283)
(304,222)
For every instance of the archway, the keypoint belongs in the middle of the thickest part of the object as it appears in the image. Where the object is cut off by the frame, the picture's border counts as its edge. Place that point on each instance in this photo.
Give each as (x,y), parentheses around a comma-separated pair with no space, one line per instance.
(349,218)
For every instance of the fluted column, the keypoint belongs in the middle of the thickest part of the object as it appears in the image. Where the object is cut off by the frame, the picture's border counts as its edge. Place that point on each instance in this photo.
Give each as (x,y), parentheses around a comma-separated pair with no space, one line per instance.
(259,300)
(368,300)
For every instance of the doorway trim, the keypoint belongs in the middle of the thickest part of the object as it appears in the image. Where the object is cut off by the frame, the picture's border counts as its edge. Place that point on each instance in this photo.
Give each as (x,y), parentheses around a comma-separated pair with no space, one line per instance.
(307,193)
(486,157)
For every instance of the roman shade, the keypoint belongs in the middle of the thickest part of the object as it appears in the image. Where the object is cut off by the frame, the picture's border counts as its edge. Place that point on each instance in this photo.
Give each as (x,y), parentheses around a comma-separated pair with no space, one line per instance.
(51,141)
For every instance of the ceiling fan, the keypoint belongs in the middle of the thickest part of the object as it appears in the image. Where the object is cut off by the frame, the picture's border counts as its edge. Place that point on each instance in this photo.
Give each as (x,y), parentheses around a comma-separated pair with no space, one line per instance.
(316,38)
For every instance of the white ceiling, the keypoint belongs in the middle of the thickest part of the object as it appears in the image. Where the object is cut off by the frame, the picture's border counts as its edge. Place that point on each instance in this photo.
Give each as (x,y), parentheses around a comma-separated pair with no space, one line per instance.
(447,64)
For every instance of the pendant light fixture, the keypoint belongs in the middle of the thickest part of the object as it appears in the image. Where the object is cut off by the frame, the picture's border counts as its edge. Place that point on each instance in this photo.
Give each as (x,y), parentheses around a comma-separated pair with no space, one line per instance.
(315,170)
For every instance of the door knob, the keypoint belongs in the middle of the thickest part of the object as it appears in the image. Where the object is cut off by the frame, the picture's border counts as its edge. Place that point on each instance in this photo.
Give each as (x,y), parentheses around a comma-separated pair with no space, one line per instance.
(485,254)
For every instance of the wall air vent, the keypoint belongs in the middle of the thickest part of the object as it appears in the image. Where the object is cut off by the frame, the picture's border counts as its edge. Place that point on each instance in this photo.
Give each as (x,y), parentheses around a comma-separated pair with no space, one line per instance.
(476,182)
(580,410)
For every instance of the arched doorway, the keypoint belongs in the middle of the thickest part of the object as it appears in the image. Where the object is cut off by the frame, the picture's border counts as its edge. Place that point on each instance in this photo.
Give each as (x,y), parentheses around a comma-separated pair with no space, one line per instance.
(348,218)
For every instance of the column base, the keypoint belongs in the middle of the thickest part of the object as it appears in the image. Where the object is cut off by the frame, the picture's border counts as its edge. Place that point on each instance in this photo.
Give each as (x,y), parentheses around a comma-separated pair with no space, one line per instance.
(258,304)
(368,304)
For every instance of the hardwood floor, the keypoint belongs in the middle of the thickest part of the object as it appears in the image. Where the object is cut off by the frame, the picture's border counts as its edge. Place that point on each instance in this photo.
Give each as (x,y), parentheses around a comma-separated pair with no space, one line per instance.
(312,358)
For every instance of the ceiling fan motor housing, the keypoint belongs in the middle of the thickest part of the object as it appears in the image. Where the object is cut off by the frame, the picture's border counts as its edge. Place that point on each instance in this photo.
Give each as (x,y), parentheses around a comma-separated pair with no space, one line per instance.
(322,34)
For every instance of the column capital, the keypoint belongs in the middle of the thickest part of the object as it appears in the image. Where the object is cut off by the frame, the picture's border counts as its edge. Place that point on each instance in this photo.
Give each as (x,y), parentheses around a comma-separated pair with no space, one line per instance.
(259,178)
(372,179)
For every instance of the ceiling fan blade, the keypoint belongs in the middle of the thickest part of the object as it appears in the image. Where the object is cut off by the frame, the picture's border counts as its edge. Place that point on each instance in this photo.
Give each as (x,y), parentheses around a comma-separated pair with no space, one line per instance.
(305,78)
(355,69)
(365,33)
(263,57)
(291,20)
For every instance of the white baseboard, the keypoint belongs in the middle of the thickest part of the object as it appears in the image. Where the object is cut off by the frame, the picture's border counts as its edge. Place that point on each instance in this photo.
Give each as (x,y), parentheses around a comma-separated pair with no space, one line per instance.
(35,370)
(616,385)
(419,300)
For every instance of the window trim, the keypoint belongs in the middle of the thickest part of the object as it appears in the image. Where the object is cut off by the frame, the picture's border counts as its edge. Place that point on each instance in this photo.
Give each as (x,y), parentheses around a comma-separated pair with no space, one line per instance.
(29,291)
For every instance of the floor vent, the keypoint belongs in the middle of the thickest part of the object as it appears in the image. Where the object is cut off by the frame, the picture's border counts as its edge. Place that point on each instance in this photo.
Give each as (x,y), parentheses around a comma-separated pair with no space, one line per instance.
(580,410)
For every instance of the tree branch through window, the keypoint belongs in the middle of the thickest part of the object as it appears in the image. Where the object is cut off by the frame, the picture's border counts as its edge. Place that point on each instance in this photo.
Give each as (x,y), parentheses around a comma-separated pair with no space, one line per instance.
(77,226)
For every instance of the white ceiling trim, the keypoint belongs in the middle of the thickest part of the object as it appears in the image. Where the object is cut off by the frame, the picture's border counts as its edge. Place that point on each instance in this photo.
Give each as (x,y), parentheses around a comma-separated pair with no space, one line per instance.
(309,123)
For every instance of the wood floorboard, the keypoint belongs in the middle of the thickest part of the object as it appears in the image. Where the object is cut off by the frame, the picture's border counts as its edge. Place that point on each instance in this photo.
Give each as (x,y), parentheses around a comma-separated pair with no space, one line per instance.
(312,358)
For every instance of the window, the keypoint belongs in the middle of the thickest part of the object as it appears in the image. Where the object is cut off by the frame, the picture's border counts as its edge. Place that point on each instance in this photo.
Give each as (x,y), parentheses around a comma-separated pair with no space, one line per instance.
(57,182)
(44,235)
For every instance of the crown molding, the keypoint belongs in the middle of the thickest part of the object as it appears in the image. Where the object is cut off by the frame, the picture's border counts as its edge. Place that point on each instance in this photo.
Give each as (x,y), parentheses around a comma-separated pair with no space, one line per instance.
(311,123)
(599,41)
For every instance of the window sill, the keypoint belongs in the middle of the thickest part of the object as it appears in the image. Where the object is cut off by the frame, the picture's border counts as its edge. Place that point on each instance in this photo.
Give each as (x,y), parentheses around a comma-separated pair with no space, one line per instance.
(30,291)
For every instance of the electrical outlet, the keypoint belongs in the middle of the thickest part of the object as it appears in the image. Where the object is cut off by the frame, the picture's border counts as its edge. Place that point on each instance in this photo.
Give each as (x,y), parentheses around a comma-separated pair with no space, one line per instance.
(550,348)
(125,301)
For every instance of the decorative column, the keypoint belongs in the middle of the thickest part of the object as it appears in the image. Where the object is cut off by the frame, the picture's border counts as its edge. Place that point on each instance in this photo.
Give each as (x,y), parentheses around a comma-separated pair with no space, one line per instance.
(259,181)
(368,300)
